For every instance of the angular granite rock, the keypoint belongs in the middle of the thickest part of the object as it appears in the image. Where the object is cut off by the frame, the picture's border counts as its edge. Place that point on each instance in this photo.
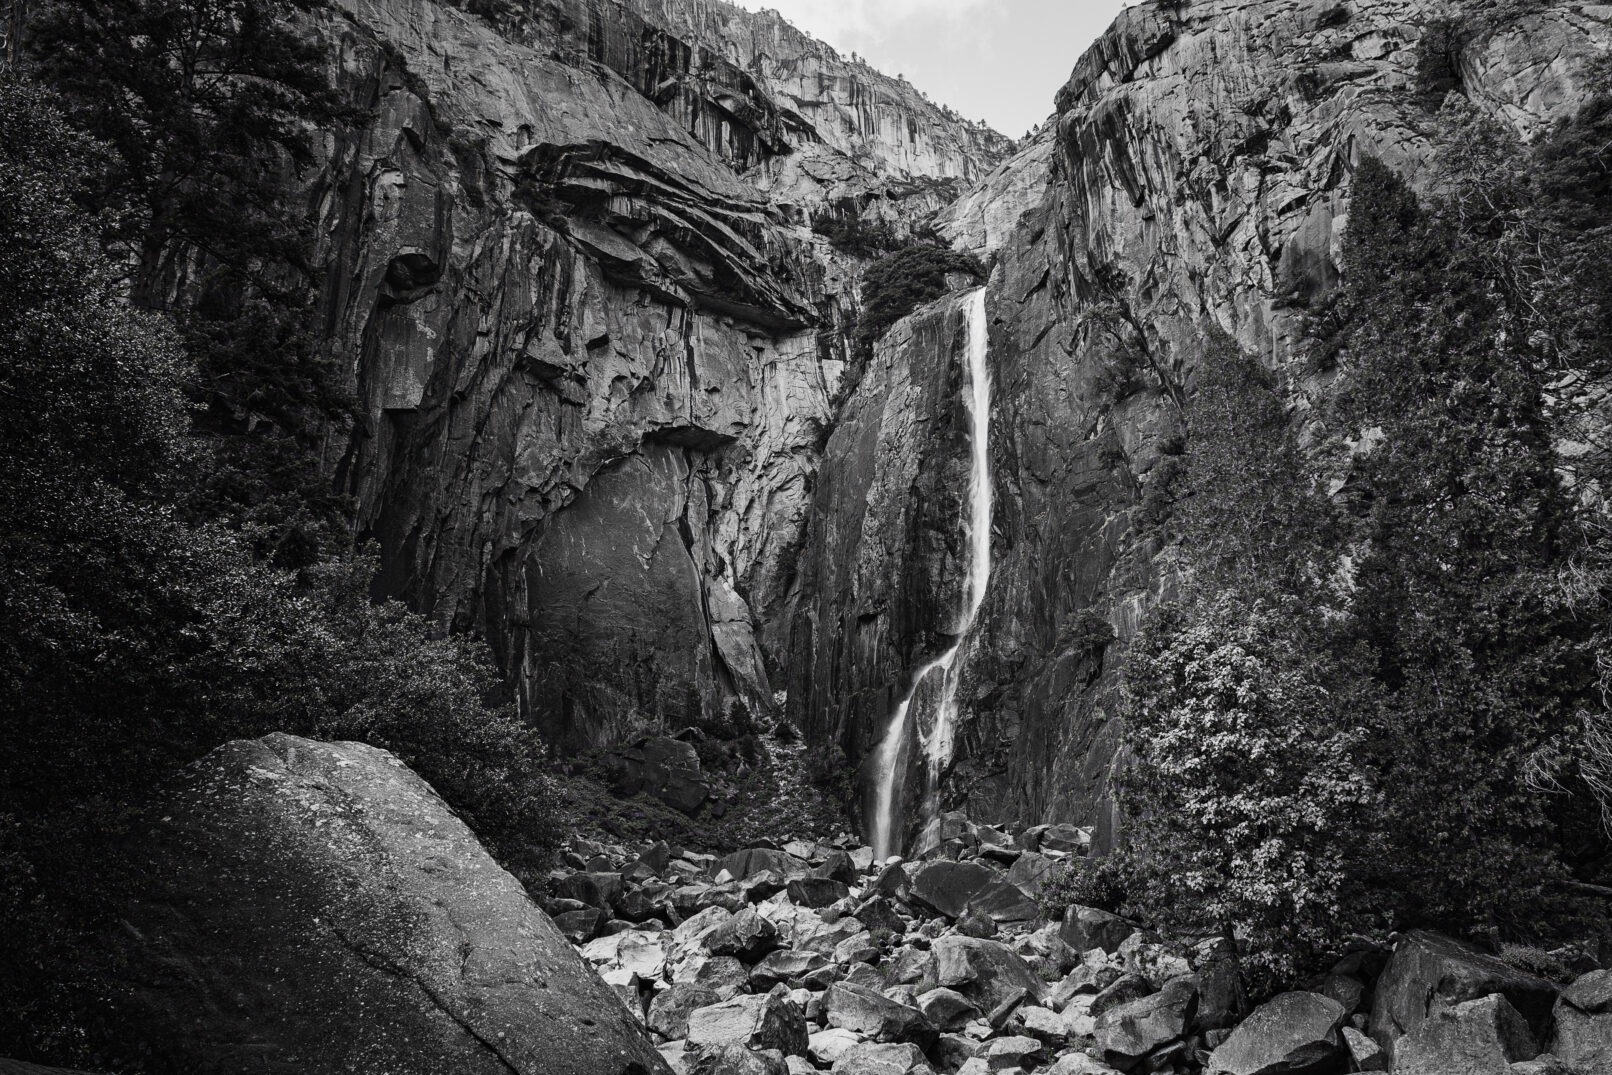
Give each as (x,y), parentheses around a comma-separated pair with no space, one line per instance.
(1290,1034)
(1583,1022)
(873,1015)
(755,1021)
(986,972)
(1430,972)
(1131,1031)
(1475,1037)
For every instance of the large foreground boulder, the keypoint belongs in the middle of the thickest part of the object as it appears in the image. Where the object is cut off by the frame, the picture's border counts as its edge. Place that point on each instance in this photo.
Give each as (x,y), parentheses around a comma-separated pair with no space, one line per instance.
(303,907)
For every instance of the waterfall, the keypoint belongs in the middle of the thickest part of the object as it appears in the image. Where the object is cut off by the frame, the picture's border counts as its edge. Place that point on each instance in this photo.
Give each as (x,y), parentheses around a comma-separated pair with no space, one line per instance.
(890,759)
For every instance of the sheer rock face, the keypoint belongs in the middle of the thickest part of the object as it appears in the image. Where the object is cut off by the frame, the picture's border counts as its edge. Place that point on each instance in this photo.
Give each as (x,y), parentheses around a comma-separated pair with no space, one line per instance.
(315,907)
(593,347)
(1197,176)
(985,217)
(882,580)
(595,342)
(1201,179)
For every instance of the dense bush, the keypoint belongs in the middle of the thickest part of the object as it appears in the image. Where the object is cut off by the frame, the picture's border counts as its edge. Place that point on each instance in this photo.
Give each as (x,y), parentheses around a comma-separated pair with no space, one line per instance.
(1344,722)
(894,286)
(847,233)
(1099,883)
(134,639)
(1251,807)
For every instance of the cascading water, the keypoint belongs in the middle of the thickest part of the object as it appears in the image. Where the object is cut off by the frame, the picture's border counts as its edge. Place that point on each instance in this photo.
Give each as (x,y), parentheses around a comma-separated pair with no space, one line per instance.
(890,760)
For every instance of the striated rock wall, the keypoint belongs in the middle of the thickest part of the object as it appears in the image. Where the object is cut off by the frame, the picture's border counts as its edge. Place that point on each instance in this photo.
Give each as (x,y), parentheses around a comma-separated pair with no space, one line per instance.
(1197,176)
(814,129)
(594,350)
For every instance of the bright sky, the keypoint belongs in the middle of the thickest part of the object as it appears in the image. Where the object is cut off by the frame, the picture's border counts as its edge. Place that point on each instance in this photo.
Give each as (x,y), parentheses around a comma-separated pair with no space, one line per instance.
(996,60)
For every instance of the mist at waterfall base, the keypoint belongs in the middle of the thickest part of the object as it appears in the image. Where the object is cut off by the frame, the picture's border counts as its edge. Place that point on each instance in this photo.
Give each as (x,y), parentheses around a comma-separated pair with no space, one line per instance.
(891,757)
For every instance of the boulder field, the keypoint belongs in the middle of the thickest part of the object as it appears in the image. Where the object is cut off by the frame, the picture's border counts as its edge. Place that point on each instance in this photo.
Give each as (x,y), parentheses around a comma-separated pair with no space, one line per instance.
(740,964)
(296,906)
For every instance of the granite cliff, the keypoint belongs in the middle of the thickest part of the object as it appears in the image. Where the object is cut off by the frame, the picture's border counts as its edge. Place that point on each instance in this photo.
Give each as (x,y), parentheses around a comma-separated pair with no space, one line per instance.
(571,264)
(569,261)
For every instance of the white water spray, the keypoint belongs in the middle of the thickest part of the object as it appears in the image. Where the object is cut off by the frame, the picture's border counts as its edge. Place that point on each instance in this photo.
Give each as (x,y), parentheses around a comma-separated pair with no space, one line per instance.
(890,759)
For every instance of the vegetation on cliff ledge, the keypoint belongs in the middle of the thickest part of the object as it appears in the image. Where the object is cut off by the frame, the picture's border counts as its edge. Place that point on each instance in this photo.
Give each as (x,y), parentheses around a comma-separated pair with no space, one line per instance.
(892,288)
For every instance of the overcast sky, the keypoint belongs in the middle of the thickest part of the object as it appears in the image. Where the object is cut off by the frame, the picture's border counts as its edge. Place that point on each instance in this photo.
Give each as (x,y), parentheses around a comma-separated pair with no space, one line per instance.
(996,60)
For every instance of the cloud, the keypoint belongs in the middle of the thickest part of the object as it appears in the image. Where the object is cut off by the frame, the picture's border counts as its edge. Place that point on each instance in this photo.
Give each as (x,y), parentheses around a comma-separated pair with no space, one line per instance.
(857,24)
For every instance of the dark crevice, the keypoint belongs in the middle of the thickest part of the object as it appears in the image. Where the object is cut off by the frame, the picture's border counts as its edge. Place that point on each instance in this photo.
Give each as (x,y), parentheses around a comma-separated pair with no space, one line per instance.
(384,965)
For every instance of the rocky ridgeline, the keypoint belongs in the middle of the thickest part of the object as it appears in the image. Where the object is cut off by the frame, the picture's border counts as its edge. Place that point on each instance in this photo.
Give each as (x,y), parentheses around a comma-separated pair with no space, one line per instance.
(814,957)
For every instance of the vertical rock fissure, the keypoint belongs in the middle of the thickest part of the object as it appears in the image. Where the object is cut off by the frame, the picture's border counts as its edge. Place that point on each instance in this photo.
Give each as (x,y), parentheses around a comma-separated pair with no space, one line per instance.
(892,755)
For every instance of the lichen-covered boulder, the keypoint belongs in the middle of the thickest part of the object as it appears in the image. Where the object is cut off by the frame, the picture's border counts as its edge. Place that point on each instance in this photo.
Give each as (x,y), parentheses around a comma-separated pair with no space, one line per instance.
(311,907)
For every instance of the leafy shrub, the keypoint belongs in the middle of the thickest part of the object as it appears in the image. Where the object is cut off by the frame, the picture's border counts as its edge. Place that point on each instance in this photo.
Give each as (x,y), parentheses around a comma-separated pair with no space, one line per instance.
(133,639)
(1098,883)
(1247,798)
(385,680)
(1090,633)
